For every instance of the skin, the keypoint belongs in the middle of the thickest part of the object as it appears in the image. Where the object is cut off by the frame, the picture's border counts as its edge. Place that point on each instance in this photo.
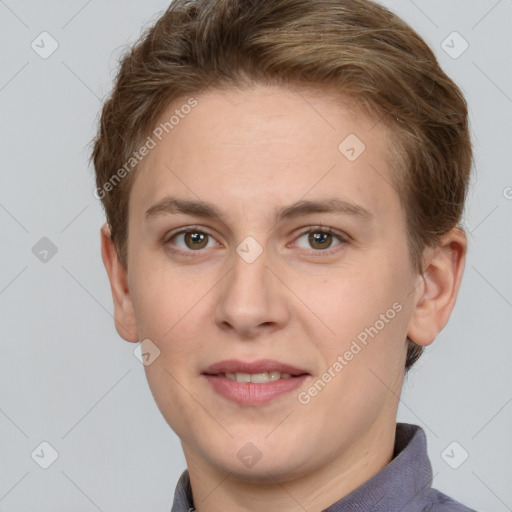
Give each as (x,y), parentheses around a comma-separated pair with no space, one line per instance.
(250,152)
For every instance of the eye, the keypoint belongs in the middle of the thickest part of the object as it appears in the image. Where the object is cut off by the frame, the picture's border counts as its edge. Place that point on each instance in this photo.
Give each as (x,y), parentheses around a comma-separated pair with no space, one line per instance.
(189,240)
(320,239)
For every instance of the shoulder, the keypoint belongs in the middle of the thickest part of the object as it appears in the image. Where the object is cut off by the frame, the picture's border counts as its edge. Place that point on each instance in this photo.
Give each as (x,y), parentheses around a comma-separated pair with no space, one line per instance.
(439,502)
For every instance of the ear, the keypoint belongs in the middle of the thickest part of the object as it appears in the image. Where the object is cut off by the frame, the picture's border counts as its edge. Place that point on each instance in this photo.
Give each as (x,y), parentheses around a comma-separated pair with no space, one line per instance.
(438,288)
(124,313)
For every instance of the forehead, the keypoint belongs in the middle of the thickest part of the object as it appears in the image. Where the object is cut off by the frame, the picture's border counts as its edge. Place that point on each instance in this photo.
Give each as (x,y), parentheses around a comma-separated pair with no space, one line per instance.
(250,148)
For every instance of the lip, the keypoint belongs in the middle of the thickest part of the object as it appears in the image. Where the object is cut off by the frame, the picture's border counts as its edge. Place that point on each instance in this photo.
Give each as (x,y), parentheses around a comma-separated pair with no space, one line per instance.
(261,365)
(250,393)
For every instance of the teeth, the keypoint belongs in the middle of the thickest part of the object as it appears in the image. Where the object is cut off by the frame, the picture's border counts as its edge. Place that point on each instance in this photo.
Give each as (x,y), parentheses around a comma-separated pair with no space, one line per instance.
(258,378)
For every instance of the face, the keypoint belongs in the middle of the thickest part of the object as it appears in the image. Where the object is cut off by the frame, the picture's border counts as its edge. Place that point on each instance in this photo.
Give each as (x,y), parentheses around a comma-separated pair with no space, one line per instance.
(261,230)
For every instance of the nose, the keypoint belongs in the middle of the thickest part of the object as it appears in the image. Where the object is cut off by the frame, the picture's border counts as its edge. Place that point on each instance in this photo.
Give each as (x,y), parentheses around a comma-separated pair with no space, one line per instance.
(251,300)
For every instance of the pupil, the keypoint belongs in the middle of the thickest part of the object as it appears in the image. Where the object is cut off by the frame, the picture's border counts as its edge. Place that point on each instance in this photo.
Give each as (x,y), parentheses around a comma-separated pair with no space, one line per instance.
(196,239)
(320,239)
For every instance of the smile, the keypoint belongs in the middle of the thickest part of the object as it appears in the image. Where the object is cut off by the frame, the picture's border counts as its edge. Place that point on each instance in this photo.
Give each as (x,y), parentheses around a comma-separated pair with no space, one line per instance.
(257,378)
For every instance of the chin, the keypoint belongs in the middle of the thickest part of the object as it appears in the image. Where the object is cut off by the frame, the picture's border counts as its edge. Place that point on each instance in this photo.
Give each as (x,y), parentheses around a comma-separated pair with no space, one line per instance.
(262,472)
(258,461)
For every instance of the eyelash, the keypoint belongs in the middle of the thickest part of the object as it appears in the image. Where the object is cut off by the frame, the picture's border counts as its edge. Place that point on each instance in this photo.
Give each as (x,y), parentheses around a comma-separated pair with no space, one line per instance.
(344,240)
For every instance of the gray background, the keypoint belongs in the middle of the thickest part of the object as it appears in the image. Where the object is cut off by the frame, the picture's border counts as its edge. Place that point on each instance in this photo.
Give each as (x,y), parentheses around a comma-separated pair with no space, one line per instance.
(66,376)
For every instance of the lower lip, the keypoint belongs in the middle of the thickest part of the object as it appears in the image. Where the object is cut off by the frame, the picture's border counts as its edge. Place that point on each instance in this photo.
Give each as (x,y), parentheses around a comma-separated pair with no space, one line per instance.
(250,393)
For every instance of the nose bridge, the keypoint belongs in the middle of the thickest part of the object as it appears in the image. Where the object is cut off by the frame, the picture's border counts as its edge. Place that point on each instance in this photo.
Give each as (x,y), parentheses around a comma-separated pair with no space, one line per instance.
(249,280)
(250,299)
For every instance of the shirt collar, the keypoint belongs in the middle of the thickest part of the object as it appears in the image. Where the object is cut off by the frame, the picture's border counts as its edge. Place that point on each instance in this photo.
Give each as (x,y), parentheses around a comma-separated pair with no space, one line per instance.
(403,483)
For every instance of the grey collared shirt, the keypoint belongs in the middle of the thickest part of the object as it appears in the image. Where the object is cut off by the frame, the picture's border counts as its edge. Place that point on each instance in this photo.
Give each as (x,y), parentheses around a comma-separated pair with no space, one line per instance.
(404,485)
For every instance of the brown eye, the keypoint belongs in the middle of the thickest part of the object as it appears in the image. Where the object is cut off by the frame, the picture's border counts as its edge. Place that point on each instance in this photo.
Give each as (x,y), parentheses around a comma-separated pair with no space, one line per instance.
(191,240)
(320,240)
(195,240)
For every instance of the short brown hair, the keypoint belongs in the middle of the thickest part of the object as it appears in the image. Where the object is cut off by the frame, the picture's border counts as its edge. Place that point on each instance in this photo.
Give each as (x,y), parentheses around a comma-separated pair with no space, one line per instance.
(355,47)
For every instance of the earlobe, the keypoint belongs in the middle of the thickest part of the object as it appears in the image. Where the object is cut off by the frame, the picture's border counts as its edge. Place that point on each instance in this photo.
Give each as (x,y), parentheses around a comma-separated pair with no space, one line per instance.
(437,292)
(124,313)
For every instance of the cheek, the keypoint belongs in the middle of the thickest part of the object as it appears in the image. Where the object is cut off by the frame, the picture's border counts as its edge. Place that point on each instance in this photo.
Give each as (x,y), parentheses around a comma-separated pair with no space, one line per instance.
(348,299)
(165,300)
(169,313)
(358,313)
(171,393)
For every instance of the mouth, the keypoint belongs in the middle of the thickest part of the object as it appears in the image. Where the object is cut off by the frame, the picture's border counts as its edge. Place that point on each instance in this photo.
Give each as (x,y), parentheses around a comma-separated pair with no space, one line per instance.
(253,383)
(256,378)
(263,370)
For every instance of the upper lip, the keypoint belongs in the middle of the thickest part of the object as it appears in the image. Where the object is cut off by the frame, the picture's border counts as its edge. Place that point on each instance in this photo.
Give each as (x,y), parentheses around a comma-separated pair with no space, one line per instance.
(259,366)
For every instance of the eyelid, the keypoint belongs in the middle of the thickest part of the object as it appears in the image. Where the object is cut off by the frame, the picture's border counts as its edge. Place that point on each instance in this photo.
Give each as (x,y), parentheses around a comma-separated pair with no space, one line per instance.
(342,237)
(185,229)
(326,229)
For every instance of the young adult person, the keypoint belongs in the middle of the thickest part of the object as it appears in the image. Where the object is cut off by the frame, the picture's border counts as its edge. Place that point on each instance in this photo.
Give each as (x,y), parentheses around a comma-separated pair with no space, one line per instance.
(283,184)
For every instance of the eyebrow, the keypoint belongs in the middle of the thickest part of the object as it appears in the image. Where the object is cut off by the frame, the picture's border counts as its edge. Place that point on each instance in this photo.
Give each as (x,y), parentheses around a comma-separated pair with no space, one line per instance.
(174,205)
